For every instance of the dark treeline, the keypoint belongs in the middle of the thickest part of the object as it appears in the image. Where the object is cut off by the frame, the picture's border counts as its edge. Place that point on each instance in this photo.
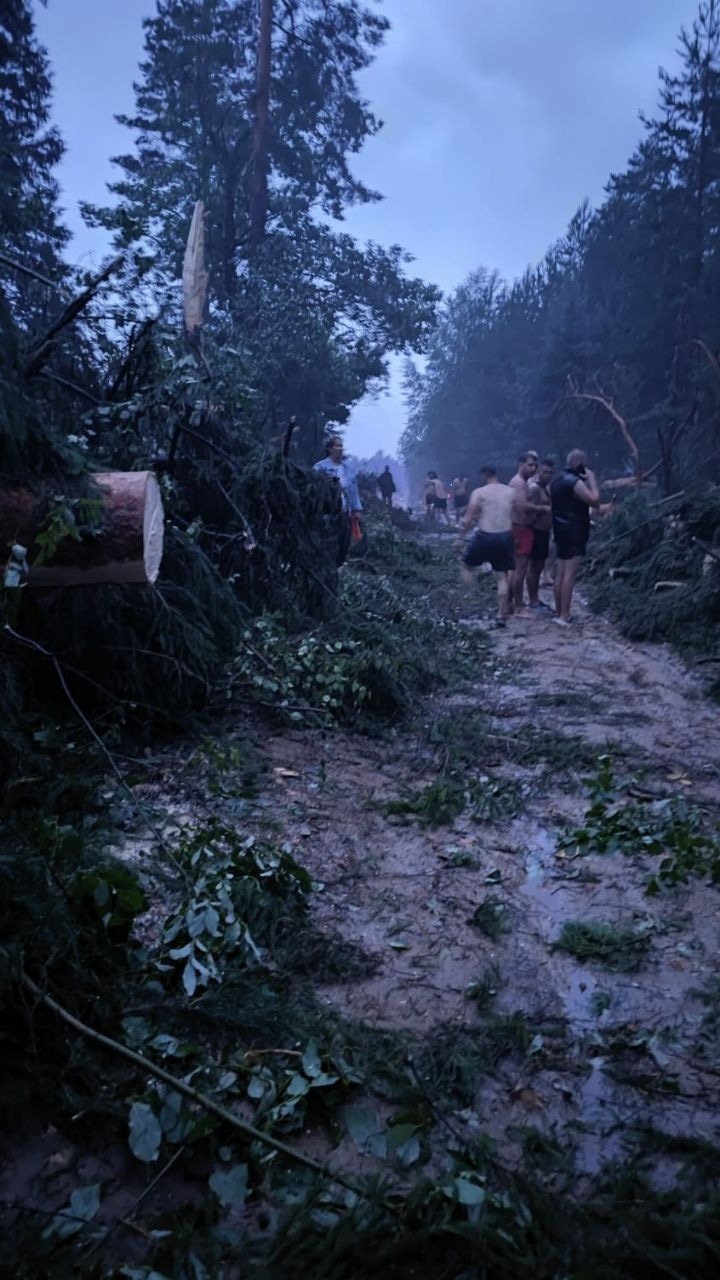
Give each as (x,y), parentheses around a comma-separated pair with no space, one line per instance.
(624,308)
(254,111)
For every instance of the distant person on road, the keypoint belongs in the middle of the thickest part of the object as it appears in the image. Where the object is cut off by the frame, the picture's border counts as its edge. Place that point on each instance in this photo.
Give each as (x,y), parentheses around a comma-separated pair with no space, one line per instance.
(435,497)
(491,513)
(539,496)
(572,494)
(522,529)
(387,486)
(333,464)
(460,490)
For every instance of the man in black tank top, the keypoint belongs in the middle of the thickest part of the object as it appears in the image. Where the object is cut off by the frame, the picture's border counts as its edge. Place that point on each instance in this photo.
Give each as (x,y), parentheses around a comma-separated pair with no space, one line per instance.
(572,494)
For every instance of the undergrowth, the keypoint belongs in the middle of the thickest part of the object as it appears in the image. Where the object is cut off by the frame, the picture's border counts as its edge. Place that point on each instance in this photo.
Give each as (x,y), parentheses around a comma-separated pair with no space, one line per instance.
(616,947)
(653,542)
(368,663)
(671,830)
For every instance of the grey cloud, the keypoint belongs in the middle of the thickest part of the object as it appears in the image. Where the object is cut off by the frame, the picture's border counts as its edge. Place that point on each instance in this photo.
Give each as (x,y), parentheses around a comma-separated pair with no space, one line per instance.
(500,116)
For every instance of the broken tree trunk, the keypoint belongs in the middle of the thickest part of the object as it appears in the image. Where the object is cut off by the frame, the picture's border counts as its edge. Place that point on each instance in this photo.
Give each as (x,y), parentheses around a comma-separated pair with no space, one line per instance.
(124,544)
(261,130)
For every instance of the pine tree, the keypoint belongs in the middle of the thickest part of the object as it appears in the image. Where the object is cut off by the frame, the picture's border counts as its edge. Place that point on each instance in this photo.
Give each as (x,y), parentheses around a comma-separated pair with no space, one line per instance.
(31,233)
(30,150)
(260,121)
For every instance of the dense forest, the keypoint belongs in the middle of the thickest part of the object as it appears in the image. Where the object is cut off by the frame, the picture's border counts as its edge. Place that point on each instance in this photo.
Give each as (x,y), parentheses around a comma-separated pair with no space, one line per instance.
(612,341)
(266,1008)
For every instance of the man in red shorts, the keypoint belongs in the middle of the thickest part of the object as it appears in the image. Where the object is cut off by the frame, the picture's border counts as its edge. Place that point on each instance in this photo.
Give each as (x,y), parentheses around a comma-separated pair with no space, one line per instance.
(522,531)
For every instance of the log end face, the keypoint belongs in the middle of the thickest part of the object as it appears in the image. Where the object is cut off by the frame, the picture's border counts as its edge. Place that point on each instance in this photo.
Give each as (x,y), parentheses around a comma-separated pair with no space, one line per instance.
(153,529)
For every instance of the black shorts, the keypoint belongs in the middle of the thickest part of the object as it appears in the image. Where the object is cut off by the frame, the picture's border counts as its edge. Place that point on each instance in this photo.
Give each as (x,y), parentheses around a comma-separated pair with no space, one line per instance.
(569,543)
(440,504)
(460,502)
(540,546)
(495,549)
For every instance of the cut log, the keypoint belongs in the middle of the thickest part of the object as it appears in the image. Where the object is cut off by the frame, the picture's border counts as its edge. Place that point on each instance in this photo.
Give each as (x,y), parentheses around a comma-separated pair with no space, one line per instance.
(626,482)
(124,545)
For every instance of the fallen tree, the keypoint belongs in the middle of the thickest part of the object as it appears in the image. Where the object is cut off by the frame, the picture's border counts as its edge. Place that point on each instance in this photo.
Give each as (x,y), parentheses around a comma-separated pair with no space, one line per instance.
(113,534)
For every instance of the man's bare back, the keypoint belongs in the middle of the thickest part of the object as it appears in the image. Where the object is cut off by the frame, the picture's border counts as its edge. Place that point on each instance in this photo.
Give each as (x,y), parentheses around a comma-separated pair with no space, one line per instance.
(492,508)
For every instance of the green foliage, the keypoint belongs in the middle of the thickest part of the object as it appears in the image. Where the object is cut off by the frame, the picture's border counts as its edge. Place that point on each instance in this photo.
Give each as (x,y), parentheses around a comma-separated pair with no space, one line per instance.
(483,992)
(616,947)
(496,799)
(436,805)
(622,305)
(73,518)
(239,892)
(30,229)
(491,918)
(306,678)
(313,314)
(670,829)
(659,543)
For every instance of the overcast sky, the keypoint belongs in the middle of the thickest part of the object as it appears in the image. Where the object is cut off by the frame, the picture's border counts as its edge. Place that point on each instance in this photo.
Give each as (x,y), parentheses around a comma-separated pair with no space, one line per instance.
(500,117)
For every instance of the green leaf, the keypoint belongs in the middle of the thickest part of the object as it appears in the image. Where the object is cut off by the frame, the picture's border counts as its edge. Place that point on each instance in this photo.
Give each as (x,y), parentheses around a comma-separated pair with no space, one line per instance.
(469,1193)
(311,1064)
(84,1204)
(298,1086)
(230,1186)
(145,1132)
(189,977)
(172,1122)
(403,1143)
(256,1088)
(365,1130)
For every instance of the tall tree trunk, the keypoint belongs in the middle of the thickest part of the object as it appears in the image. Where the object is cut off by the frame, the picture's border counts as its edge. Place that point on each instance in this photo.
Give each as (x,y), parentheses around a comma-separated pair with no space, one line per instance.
(259,161)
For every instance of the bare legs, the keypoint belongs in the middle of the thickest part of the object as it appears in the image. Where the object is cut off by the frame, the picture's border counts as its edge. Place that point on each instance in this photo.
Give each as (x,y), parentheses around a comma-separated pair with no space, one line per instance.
(565,575)
(503,595)
(534,574)
(517,582)
(469,575)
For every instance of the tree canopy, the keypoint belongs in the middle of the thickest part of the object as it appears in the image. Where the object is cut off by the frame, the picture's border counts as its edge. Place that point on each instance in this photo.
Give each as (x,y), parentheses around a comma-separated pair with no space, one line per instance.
(620,320)
(260,119)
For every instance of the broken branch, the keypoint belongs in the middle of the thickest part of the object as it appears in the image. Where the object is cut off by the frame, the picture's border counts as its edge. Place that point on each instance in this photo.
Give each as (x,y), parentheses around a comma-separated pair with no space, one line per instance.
(45,346)
(193,1095)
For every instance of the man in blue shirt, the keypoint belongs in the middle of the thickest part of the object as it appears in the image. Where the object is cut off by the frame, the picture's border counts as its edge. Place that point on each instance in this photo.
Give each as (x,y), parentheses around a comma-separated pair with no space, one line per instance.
(333,465)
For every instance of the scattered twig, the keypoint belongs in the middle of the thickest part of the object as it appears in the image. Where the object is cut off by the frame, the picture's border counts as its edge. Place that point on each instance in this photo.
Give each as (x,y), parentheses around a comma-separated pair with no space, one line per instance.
(150,824)
(127,1217)
(193,1095)
(709,551)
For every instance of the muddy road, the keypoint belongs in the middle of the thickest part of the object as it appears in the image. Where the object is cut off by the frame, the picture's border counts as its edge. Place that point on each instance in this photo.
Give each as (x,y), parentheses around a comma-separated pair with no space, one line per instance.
(467,914)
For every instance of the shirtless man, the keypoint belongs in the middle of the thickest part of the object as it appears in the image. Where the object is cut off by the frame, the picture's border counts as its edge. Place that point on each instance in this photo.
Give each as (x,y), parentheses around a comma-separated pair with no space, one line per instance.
(435,496)
(522,527)
(461,496)
(491,512)
(539,495)
(573,493)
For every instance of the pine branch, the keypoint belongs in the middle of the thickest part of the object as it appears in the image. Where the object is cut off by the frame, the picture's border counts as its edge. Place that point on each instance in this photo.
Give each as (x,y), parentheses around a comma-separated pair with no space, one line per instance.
(45,346)
(28,271)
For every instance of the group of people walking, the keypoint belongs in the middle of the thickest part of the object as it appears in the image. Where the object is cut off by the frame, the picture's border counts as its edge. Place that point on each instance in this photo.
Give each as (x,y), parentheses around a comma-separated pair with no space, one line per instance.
(436,497)
(508,526)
